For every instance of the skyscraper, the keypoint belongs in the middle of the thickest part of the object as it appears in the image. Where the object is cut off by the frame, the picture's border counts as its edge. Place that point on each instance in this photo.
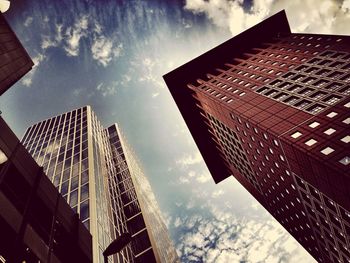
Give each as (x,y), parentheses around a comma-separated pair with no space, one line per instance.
(272,108)
(76,153)
(14,60)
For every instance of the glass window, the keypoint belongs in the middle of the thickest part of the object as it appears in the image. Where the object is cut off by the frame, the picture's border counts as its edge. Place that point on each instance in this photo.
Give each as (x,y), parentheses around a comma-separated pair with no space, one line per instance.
(327,150)
(310,142)
(84,210)
(345,160)
(296,134)
(329,131)
(346,121)
(314,124)
(84,192)
(332,114)
(73,198)
(346,139)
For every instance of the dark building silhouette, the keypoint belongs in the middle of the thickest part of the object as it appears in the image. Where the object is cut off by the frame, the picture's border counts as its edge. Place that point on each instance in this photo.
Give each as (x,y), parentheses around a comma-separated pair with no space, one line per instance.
(14,60)
(36,223)
(272,108)
(95,172)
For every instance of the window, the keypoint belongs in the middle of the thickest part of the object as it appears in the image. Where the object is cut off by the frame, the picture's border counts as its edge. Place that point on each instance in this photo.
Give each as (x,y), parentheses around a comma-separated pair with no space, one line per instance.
(346,121)
(332,114)
(314,124)
(327,150)
(315,108)
(332,99)
(345,160)
(296,134)
(346,139)
(329,131)
(310,142)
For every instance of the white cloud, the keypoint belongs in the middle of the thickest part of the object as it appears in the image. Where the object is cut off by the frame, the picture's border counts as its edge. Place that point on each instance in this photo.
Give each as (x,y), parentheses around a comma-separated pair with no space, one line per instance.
(184,180)
(73,35)
(28,21)
(217,193)
(107,90)
(203,177)
(177,222)
(104,51)
(52,41)
(328,17)
(189,159)
(155,95)
(28,79)
(221,237)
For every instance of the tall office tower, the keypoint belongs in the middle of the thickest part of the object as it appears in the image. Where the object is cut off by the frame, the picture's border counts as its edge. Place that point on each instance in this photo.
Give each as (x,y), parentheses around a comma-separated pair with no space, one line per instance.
(14,60)
(77,156)
(143,218)
(272,108)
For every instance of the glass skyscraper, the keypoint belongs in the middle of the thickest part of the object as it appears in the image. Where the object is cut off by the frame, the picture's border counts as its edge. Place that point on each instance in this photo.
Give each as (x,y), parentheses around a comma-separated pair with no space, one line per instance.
(87,165)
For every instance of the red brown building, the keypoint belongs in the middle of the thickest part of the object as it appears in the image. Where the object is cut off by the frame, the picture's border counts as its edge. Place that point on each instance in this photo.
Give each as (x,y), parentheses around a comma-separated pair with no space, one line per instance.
(14,59)
(272,108)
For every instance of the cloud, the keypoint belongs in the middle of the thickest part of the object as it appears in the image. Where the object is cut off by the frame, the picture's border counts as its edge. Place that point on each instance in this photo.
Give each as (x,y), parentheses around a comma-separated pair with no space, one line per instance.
(107,90)
(328,17)
(28,21)
(184,180)
(221,237)
(28,79)
(217,193)
(189,159)
(74,34)
(177,222)
(104,50)
(155,95)
(52,41)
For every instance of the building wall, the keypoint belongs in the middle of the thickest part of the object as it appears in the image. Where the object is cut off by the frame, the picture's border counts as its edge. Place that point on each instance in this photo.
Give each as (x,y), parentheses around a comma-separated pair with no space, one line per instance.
(36,223)
(73,150)
(145,223)
(87,164)
(262,110)
(14,60)
(277,114)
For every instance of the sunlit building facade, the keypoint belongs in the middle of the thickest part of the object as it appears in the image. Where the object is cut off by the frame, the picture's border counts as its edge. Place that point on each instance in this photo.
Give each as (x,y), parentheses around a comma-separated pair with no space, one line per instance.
(272,108)
(76,153)
(14,60)
(143,217)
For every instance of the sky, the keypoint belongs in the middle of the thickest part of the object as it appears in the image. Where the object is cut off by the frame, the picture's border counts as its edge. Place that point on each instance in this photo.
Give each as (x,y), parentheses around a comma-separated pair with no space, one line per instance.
(112,55)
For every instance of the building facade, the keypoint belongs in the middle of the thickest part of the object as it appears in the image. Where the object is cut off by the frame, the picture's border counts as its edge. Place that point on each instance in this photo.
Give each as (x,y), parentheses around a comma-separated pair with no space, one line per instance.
(14,60)
(272,108)
(76,154)
(143,217)
(36,223)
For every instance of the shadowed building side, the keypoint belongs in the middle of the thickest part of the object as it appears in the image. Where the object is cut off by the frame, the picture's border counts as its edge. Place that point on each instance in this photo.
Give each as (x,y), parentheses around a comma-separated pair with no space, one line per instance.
(36,223)
(14,59)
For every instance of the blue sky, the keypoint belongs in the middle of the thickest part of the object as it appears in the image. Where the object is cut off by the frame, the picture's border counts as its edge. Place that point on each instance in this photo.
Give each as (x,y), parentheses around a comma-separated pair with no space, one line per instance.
(112,55)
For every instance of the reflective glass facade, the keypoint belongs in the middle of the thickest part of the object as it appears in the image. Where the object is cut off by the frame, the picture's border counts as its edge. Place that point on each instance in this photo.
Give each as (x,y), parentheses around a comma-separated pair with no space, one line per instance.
(143,217)
(272,108)
(86,164)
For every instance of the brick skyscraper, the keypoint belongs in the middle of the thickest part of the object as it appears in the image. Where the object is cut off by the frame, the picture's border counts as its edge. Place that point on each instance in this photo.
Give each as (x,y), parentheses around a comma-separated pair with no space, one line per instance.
(272,108)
